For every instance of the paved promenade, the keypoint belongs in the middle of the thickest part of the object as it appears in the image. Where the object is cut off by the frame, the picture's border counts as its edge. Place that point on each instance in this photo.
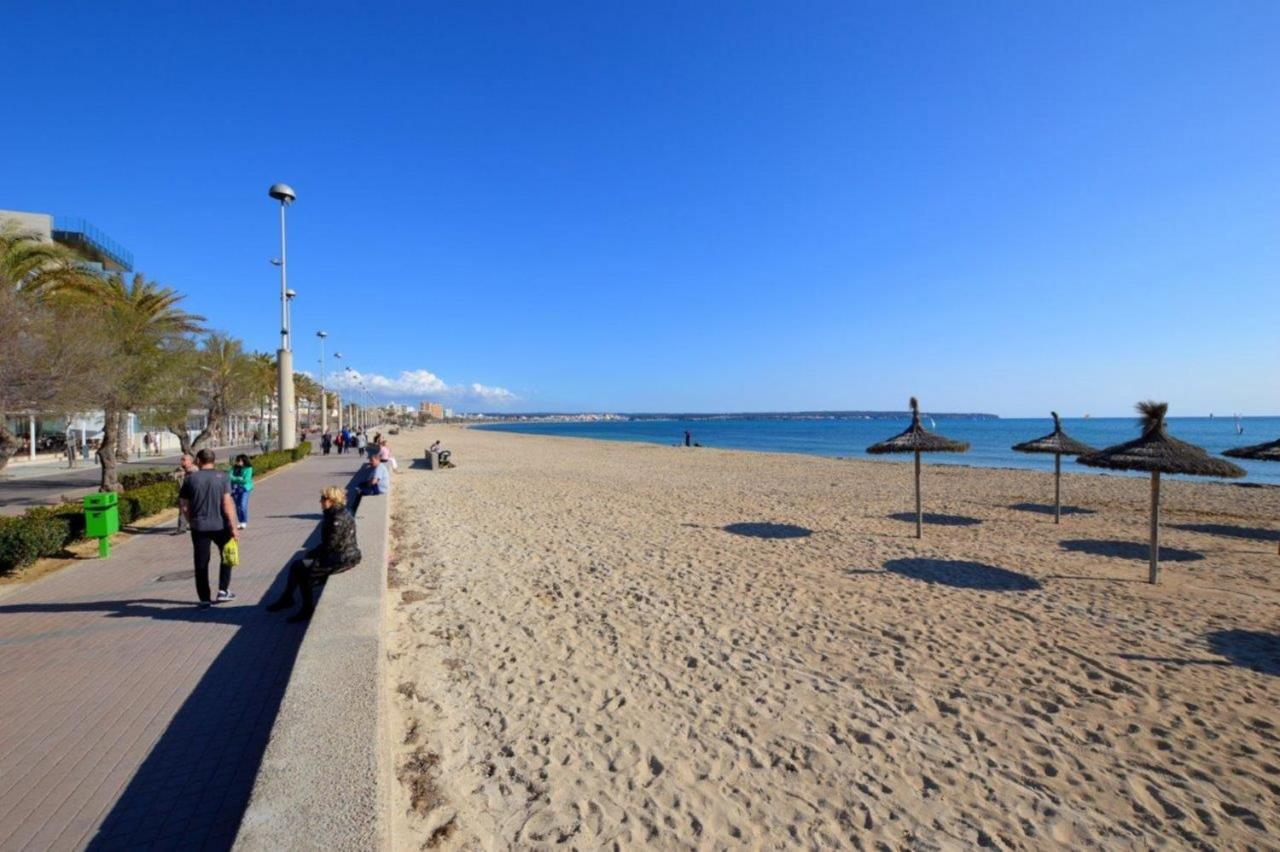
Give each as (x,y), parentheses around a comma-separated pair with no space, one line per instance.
(129,716)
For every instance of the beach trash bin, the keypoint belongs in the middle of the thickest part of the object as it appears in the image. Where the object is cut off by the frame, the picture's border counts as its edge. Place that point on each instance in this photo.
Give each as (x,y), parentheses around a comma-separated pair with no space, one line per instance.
(433,460)
(102,519)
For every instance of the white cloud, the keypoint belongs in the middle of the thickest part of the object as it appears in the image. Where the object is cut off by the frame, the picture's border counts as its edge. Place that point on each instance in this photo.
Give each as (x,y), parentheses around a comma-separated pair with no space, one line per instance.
(421,384)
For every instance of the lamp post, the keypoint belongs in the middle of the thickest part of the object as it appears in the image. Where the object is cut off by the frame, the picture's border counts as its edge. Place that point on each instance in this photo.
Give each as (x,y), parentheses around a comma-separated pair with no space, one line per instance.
(338,357)
(288,436)
(324,397)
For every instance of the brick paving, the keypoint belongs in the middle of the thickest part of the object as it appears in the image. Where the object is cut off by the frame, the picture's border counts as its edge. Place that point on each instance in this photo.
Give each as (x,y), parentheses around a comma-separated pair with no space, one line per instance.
(131,719)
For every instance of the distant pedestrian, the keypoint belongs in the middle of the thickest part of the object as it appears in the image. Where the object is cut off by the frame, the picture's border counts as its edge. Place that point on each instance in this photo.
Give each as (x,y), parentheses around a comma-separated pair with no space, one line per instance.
(338,551)
(205,499)
(146,442)
(326,443)
(186,465)
(688,438)
(241,484)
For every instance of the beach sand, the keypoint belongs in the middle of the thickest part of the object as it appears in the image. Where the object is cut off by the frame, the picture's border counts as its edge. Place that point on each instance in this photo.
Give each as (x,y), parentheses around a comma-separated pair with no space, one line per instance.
(593,643)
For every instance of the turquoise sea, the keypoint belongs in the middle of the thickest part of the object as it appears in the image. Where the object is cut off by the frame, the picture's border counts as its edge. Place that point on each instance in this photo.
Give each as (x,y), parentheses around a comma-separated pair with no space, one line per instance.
(990,439)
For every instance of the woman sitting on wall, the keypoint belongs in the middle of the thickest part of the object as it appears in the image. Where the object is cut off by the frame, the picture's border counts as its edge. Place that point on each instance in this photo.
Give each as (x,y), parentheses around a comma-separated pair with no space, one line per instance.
(337,552)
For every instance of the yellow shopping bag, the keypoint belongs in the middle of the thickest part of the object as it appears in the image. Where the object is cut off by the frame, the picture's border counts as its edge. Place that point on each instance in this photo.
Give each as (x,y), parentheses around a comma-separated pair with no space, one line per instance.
(231,554)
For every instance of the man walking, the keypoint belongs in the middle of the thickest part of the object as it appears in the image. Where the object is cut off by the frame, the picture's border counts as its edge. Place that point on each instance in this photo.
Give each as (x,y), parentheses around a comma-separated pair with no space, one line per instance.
(186,466)
(205,500)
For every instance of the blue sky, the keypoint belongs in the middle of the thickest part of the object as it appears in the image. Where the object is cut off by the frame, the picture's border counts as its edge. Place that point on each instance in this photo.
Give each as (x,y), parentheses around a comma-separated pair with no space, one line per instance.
(1004,207)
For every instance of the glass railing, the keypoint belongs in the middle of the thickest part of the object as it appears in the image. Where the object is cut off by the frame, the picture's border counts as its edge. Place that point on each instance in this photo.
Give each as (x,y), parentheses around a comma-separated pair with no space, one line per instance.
(73,230)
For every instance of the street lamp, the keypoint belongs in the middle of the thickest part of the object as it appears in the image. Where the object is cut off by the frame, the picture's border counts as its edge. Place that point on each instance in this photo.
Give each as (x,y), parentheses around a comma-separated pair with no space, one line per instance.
(337,356)
(324,397)
(284,193)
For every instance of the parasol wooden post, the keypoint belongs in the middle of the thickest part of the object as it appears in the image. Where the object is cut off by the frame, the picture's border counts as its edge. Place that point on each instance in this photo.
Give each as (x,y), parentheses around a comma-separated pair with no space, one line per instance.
(919,510)
(1155,527)
(1057,488)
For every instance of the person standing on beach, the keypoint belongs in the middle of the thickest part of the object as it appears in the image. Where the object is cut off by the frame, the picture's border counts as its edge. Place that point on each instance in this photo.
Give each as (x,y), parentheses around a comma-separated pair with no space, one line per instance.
(205,499)
(688,438)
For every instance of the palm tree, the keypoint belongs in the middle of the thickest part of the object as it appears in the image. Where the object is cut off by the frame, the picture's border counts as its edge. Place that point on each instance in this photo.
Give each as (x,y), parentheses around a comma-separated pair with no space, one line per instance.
(144,322)
(31,266)
(263,381)
(227,379)
(44,347)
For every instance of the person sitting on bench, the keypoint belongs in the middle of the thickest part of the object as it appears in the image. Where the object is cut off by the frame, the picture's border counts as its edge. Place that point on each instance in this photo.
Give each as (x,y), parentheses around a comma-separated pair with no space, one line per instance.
(337,552)
(377,480)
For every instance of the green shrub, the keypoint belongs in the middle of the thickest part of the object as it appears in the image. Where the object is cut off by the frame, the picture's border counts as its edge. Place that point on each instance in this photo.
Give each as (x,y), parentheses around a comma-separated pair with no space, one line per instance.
(301,451)
(264,462)
(140,478)
(149,500)
(24,540)
(69,515)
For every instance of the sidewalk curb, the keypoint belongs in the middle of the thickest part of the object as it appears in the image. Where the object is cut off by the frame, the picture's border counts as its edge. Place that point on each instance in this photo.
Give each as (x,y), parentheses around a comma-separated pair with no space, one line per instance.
(321,783)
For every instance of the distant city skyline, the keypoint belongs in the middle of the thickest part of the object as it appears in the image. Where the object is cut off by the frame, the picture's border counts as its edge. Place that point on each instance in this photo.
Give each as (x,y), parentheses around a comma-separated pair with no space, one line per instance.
(756,207)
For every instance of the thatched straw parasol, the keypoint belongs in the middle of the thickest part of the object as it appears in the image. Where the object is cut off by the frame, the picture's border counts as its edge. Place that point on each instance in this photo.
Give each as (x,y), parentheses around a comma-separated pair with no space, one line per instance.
(1060,444)
(1154,451)
(1256,452)
(916,439)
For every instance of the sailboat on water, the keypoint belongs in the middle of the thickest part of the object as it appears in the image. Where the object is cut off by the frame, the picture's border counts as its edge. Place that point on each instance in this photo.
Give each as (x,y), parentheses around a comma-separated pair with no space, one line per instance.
(1239,426)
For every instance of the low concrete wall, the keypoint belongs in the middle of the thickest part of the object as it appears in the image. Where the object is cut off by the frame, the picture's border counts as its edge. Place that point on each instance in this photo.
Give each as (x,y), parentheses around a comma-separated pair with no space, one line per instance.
(319,784)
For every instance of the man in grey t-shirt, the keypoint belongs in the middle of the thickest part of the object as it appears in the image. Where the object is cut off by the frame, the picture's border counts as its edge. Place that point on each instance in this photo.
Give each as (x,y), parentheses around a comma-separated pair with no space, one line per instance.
(205,501)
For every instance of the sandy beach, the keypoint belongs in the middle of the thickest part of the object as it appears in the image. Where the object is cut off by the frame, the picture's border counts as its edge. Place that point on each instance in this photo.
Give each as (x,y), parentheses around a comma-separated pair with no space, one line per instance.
(595,644)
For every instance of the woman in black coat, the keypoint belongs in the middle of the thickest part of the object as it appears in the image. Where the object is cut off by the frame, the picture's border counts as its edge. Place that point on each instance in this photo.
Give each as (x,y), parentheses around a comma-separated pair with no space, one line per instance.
(336,552)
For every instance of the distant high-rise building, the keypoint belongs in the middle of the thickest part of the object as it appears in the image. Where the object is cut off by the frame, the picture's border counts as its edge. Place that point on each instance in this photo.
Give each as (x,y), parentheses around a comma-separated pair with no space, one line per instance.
(434,410)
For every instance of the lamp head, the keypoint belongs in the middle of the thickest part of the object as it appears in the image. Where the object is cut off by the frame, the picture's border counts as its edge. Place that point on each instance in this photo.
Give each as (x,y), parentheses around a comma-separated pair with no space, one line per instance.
(282,192)
(322,334)
(289,294)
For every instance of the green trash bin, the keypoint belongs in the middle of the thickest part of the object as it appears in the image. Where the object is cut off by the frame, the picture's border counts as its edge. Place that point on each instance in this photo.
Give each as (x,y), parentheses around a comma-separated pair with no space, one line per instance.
(102,518)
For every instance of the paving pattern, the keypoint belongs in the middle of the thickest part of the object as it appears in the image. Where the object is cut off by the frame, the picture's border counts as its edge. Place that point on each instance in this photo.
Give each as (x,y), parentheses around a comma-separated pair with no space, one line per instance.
(130,718)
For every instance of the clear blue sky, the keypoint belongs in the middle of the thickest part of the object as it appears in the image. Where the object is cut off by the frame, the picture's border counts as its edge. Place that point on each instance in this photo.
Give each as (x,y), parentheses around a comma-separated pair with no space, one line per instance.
(1006,207)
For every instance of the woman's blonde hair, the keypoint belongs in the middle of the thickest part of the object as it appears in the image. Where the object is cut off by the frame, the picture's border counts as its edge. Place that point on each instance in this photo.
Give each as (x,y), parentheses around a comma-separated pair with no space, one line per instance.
(335,495)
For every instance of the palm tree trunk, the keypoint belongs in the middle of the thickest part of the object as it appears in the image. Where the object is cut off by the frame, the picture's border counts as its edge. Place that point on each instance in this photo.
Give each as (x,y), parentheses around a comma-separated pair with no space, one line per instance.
(8,443)
(107,452)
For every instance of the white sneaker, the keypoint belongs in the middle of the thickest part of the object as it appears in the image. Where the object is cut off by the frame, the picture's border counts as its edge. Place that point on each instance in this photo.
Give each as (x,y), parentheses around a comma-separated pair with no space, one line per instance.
(244,526)
(226,595)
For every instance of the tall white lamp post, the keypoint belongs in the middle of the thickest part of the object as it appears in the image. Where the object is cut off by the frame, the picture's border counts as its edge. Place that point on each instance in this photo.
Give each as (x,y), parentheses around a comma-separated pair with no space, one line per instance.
(288,436)
(324,397)
(338,357)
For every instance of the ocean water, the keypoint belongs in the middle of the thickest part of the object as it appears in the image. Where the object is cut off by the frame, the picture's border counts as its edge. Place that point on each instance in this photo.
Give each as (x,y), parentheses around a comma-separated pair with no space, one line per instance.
(990,440)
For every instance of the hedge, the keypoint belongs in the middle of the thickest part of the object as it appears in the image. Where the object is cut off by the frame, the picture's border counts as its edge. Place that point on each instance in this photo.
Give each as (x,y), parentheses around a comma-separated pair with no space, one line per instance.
(47,530)
(139,478)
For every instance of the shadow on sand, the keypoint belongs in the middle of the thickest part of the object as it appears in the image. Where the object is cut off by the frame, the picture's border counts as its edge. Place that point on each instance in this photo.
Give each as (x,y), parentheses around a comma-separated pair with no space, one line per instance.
(937,520)
(1251,649)
(1042,509)
(963,575)
(768,530)
(1128,550)
(1254,533)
